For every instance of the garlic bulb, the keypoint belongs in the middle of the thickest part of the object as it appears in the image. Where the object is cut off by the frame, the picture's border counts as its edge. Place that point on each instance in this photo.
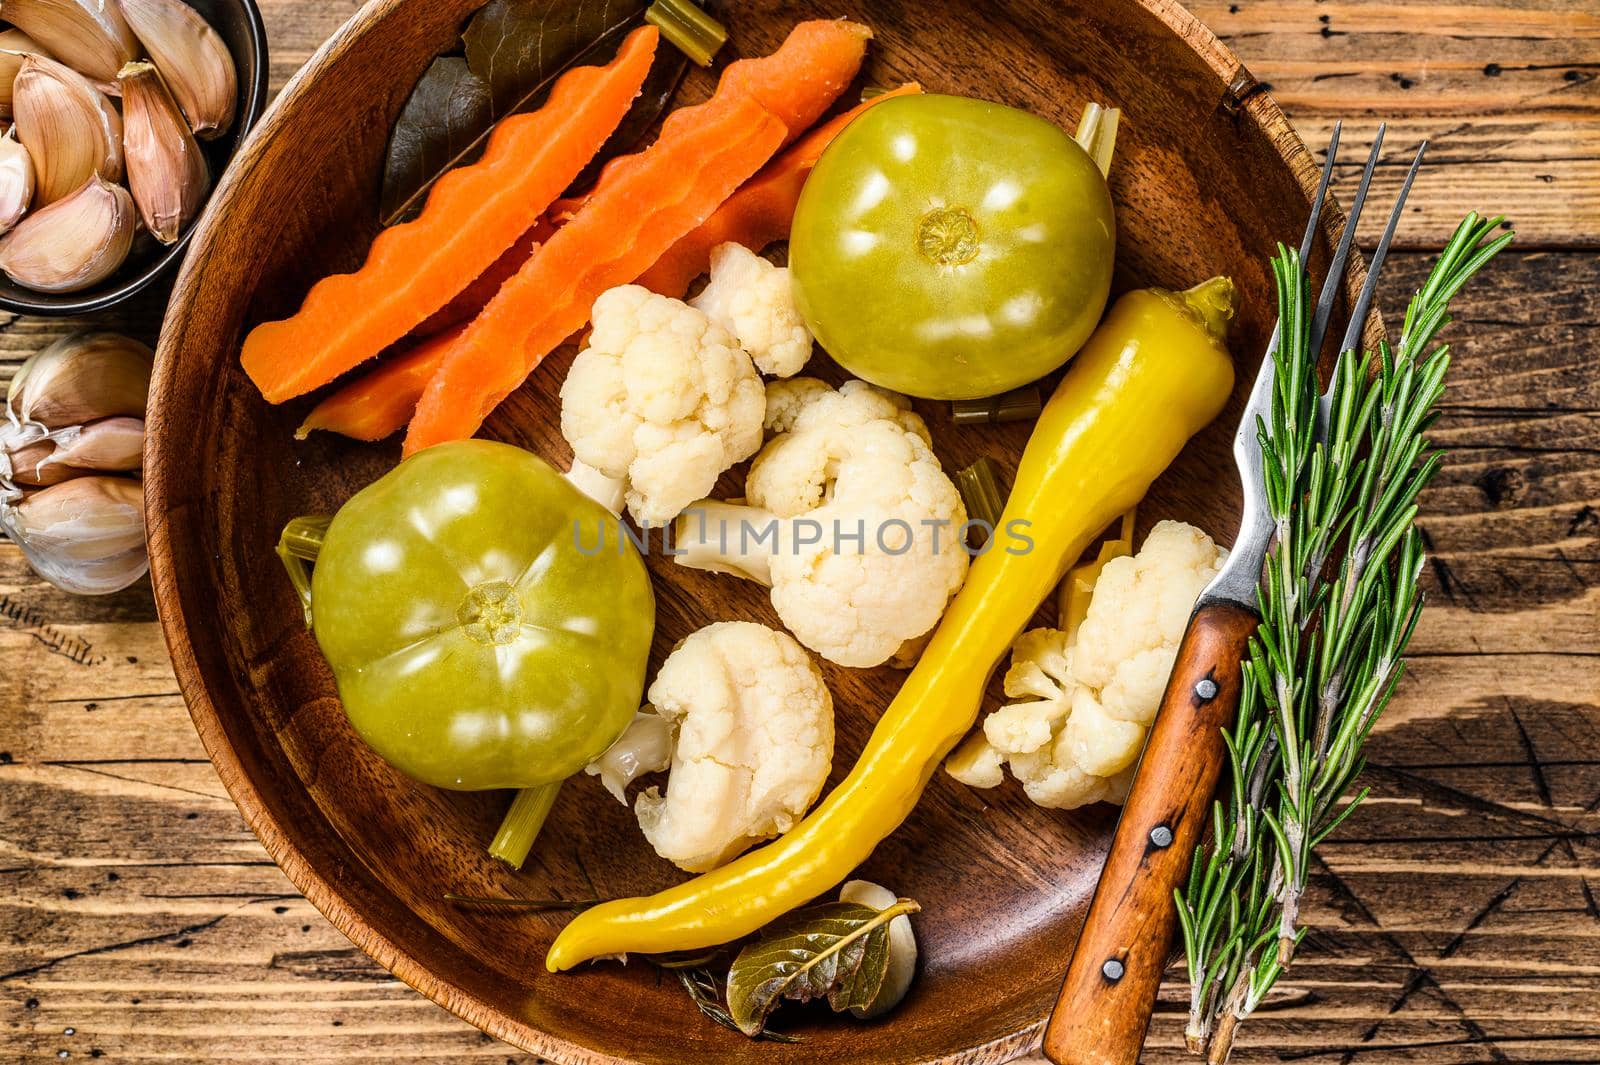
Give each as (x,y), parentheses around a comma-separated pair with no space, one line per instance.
(166,172)
(73,243)
(82,378)
(14,44)
(73,409)
(16,180)
(69,127)
(88,35)
(192,58)
(85,536)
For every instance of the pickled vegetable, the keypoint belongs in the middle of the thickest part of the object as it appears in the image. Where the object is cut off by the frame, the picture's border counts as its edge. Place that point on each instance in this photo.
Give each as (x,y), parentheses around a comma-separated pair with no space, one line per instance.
(952,248)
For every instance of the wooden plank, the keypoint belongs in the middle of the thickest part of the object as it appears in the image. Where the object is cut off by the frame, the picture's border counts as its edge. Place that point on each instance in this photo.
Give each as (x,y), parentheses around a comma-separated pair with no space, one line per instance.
(1507,93)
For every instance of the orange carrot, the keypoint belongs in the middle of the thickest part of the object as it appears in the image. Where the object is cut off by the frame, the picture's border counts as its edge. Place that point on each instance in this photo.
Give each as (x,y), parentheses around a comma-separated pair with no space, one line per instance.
(472,216)
(641,206)
(465,305)
(760,213)
(821,57)
(801,79)
(375,405)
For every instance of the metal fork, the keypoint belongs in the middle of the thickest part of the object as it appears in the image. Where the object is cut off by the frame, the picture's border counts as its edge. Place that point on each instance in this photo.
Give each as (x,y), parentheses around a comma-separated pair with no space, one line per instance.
(1104,1007)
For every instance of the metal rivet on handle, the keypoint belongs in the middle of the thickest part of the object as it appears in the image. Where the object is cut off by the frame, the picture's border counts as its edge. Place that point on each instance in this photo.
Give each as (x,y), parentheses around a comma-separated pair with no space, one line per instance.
(1161,836)
(1206,689)
(1112,970)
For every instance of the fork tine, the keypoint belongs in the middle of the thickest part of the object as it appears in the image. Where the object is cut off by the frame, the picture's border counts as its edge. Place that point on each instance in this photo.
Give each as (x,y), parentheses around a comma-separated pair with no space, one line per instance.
(1341,256)
(1322,192)
(1358,317)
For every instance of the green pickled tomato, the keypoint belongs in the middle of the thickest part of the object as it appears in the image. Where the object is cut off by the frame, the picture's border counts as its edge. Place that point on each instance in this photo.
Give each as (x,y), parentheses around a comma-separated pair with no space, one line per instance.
(952,248)
(480,635)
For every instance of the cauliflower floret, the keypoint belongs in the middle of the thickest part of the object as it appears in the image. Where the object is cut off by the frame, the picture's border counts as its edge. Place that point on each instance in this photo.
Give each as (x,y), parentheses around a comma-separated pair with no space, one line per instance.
(754,746)
(1141,604)
(1050,779)
(1084,703)
(787,399)
(1096,742)
(868,552)
(663,398)
(1041,667)
(753,300)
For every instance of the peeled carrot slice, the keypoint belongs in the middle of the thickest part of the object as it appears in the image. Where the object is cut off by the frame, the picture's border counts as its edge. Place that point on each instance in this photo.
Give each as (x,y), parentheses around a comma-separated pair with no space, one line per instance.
(377,404)
(641,206)
(801,79)
(760,212)
(797,83)
(472,216)
(465,305)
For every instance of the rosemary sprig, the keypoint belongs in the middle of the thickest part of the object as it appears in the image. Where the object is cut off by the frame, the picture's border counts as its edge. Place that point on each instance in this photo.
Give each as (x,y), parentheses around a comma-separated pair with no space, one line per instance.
(1339,599)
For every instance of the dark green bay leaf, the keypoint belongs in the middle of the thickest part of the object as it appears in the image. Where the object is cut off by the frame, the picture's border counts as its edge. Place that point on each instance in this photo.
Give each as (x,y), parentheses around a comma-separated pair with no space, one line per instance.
(514,52)
(857,990)
(836,950)
(439,125)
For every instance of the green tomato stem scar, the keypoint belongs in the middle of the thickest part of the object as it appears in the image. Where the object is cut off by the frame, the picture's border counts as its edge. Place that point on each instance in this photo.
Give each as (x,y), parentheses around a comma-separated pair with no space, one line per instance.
(491,614)
(948,236)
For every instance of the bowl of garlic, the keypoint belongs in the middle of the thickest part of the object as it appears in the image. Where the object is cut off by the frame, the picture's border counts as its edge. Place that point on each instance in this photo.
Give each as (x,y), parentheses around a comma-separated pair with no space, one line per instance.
(118,118)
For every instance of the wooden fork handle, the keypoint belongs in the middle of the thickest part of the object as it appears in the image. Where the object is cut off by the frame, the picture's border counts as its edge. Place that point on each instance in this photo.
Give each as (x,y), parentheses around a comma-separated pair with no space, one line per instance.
(1104,1007)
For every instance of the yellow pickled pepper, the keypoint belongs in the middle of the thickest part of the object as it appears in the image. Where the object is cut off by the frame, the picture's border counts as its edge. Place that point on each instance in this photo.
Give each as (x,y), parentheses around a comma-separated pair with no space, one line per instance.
(1153,374)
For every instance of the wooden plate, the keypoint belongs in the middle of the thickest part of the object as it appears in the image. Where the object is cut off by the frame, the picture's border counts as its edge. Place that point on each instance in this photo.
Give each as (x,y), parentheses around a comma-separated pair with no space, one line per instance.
(1207,177)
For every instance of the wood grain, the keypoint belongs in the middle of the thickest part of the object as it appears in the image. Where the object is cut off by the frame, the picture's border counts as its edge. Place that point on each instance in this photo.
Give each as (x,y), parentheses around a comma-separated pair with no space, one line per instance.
(1454,920)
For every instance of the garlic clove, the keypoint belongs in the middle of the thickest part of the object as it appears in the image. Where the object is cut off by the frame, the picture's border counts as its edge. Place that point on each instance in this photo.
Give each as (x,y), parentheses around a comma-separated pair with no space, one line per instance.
(166,172)
(111,445)
(73,243)
(82,378)
(192,58)
(16,180)
(70,128)
(30,465)
(85,536)
(89,35)
(14,44)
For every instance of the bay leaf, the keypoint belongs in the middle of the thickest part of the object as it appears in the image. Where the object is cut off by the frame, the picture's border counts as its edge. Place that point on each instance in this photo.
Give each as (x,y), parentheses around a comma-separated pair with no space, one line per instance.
(858,990)
(818,952)
(521,46)
(441,121)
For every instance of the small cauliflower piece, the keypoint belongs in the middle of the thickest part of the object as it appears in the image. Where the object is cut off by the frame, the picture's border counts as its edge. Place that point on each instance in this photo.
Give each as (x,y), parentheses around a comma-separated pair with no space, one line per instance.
(865,552)
(753,300)
(755,743)
(1083,702)
(976,763)
(662,398)
(1096,742)
(645,746)
(1049,779)
(1141,605)
(1041,668)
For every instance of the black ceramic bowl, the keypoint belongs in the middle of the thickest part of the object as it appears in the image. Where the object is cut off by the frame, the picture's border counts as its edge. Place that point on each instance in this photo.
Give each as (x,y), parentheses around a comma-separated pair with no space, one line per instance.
(239,24)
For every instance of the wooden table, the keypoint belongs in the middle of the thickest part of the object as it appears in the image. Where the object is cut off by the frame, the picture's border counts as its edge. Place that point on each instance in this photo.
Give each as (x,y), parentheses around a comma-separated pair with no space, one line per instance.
(1455,920)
